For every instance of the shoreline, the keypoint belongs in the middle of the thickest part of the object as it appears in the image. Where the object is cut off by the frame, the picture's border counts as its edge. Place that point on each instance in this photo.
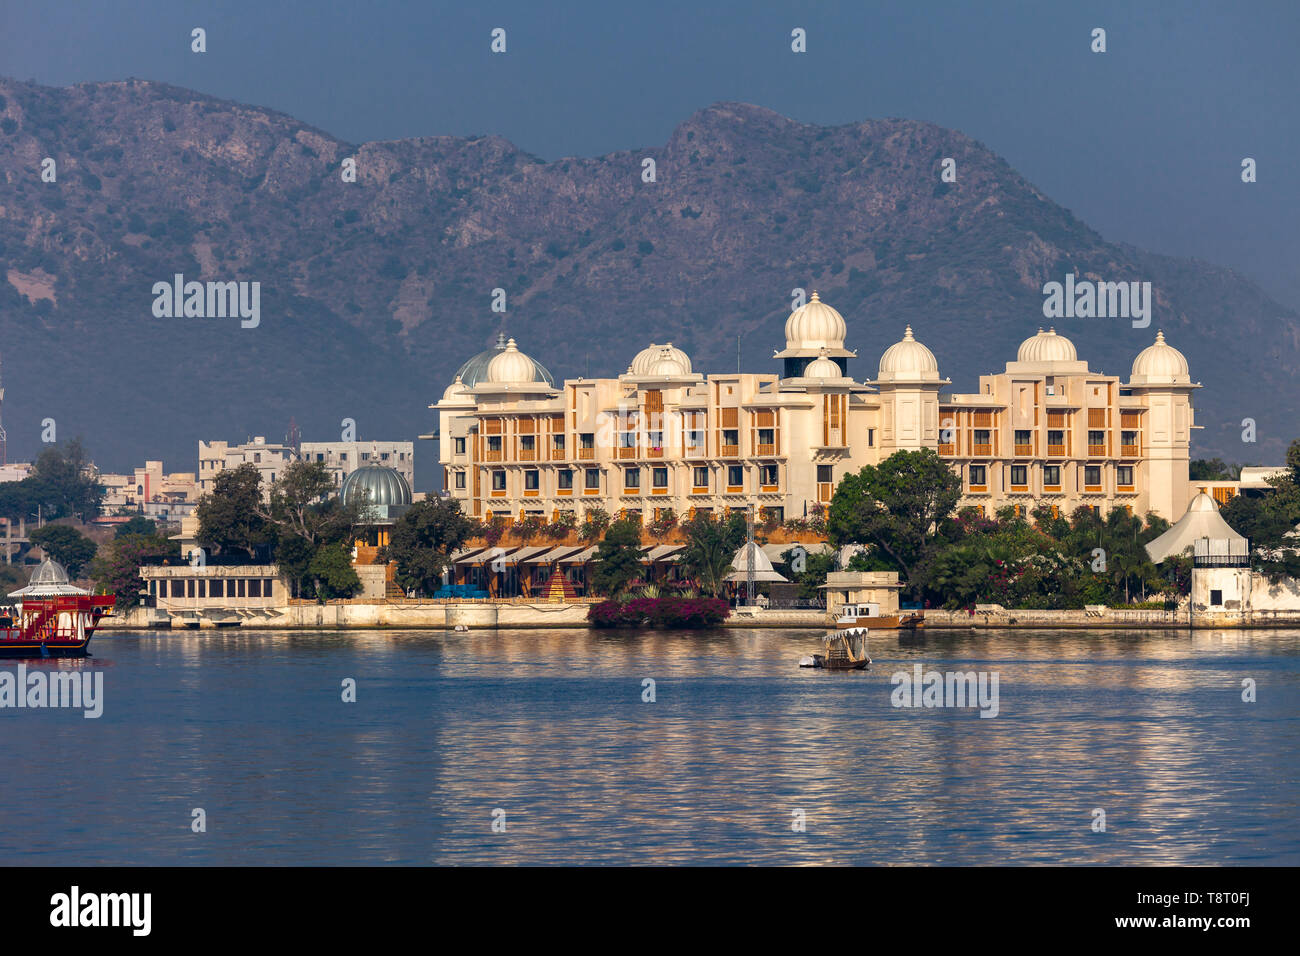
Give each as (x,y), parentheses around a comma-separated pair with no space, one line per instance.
(522,616)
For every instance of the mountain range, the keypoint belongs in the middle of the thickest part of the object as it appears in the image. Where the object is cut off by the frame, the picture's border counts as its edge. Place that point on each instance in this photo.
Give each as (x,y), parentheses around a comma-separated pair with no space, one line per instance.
(373,292)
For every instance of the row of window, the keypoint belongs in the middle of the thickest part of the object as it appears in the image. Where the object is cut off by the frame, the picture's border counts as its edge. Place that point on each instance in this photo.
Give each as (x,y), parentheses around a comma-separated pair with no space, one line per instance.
(213,587)
(695,440)
(565,477)
(977,475)
(1023,436)
(365,455)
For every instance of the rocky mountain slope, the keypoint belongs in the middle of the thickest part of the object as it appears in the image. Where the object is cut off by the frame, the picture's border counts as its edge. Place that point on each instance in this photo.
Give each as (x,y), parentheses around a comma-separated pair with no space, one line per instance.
(373,292)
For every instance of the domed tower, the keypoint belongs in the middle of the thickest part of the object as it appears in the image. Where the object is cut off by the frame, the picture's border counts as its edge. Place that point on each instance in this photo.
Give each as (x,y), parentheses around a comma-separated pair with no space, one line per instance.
(1047,353)
(475,370)
(661,364)
(386,494)
(510,370)
(908,383)
(1163,382)
(812,327)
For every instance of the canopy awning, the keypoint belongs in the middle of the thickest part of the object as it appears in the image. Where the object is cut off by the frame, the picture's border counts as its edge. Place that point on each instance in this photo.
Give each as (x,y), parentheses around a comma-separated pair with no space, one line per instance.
(661,553)
(582,557)
(523,554)
(1202,520)
(551,555)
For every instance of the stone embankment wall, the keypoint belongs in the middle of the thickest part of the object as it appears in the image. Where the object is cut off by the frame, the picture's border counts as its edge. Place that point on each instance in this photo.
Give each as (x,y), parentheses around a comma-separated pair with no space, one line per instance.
(378,614)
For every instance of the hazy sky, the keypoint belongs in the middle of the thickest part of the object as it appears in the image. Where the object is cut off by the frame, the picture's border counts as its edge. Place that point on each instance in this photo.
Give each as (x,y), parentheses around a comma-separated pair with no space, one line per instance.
(1144,142)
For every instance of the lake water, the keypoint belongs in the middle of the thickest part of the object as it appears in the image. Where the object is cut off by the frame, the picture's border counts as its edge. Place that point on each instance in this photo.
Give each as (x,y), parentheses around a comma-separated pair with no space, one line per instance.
(550,727)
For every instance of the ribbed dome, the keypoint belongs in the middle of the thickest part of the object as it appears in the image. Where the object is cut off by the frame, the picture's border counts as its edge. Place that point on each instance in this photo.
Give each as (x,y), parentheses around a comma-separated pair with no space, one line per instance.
(822,367)
(815,325)
(648,358)
(49,572)
(1160,364)
(668,367)
(474,372)
(1047,347)
(455,390)
(384,485)
(510,367)
(908,359)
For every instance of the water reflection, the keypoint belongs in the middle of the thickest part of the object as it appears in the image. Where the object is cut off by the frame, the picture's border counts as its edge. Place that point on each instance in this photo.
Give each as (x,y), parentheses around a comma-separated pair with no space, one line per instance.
(550,727)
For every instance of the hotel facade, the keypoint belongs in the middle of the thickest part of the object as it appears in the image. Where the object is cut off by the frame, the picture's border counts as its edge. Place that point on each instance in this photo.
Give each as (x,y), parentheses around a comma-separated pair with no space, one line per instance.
(1047,430)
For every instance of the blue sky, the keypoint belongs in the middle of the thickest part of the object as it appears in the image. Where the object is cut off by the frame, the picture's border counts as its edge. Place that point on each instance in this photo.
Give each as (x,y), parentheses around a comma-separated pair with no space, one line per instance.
(1143,142)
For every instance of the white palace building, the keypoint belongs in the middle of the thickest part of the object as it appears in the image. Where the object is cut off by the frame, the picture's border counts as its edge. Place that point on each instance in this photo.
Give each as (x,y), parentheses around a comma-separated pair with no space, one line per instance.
(1046,430)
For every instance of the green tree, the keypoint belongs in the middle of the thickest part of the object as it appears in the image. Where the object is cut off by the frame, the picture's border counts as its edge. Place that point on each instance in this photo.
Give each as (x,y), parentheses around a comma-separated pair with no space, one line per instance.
(711,546)
(896,507)
(332,573)
(618,559)
(424,538)
(138,524)
(66,545)
(231,516)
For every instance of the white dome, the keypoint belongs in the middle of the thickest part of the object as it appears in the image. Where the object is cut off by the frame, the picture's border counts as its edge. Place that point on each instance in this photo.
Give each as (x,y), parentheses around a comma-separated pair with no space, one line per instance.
(908,359)
(510,367)
(815,325)
(647,358)
(1160,364)
(455,390)
(1047,347)
(668,367)
(822,367)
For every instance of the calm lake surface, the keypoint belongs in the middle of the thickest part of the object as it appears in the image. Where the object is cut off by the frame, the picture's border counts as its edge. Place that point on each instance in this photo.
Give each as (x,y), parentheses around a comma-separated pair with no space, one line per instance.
(551,728)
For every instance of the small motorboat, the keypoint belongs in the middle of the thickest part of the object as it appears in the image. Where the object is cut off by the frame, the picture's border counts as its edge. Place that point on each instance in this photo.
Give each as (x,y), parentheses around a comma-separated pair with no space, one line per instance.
(846,650)
(865,614)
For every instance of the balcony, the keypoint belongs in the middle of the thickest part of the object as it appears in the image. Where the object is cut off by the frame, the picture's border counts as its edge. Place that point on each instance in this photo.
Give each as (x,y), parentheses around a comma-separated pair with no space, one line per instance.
(1024,451)
(947,449)
(654,453)
(1055,451)
(497,455)
(527,454)
(981,449)
(825,491)
(729,451)
(1096,451)
(627,453)
(586,454)
(1130,451)
(767,450)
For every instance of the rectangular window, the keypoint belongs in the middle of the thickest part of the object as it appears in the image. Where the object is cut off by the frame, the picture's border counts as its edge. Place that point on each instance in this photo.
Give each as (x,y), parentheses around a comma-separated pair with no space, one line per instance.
(767,475)
(1092,475)
(1124,475)
(557,442)
(564,477)
(266,587)
(1052,476)
(216,588)
(631,477)
(871,438)
(460,479)
(735,475)
(1019,475)
(202,589)
(977,475)
(178,587)
(767,436)
(587,440)
(824,473)
(701,478)
(659,477)
(494,443)
(627,439)
(460,446)
(255,587)
(531,479)
(1096,437)
(593,479)
(983,436)
(527,442)
(695,440)
(498,480)
(1022,436)
(1055,437)
(655,439)
(1216,597)
(730,436)
(189,588)
(241,587)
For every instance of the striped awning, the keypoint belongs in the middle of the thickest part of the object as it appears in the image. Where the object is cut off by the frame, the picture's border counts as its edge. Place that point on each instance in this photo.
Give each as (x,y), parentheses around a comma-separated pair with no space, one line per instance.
(582,557)
(661,553)
(551,555)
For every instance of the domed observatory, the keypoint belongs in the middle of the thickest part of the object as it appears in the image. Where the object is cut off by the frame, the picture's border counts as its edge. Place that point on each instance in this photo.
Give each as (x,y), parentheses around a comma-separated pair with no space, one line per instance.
(386,494)
(811,329)
(908,382)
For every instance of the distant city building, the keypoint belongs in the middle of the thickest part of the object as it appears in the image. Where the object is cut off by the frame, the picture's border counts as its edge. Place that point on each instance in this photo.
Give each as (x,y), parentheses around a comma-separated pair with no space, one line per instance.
(344,457)
(149,491)
(1048,430)
(269,459)
(15,471)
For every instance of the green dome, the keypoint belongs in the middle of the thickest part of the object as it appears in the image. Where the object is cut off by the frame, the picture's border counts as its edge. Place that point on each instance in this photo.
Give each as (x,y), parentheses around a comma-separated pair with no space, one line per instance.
(385,486)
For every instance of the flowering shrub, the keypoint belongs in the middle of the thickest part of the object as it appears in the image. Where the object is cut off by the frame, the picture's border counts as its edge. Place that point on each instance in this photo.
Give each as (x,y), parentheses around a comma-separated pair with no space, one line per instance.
(665,613)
